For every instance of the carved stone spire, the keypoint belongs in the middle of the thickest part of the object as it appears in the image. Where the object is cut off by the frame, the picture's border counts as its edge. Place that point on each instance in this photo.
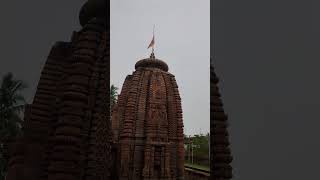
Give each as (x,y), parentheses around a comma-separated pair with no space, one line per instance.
(67,131)
(149,125)
(93,9)
(152,56)
(220,156)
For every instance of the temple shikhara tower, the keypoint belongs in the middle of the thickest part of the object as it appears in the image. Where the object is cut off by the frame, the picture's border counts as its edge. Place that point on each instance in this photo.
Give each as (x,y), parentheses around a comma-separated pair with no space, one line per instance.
(147,124)
(220,155)
(67,130)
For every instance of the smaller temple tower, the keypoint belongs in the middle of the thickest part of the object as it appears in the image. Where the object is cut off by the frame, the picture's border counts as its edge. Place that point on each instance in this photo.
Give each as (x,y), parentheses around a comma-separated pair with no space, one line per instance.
(147,124)
(67,129)
(220,154)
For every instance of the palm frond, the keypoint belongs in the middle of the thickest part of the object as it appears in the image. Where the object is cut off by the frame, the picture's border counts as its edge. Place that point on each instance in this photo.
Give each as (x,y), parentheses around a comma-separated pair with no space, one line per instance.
(18,108)
(11,105)
(18,85)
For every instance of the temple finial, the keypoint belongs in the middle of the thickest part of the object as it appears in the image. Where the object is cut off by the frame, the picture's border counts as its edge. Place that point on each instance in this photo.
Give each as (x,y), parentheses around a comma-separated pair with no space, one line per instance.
(93,9)
(152,56)
(152,45)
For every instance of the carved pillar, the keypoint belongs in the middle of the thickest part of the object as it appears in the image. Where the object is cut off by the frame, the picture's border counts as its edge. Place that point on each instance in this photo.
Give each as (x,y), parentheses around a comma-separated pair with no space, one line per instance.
(152,161)
(147,161)
(167,160)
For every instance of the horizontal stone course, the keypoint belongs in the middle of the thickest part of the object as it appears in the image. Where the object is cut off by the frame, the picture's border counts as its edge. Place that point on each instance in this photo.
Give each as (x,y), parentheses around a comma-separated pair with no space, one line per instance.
(66,128)
(220,155)
(146,94)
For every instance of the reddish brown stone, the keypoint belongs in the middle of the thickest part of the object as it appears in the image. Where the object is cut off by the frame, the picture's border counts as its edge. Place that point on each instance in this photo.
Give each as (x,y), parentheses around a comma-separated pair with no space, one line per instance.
(67,133)
(147,124)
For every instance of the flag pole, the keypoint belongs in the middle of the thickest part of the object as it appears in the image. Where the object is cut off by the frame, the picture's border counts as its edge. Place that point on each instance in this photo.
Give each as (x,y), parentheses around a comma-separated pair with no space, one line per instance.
(153,37)
(152,43)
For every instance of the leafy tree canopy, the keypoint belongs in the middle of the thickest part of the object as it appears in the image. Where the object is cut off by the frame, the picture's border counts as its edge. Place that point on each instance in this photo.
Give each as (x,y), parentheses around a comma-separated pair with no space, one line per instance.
(113,95)
(11,107)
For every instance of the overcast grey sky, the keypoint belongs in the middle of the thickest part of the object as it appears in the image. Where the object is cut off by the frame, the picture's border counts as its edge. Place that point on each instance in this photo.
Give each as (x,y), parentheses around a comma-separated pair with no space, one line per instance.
(29,29)
(182,35)
(267,60)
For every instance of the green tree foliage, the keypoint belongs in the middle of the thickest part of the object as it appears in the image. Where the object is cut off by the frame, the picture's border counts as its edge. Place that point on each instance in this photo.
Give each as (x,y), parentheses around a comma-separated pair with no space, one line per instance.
(11,107)
(113,95)
(199,144)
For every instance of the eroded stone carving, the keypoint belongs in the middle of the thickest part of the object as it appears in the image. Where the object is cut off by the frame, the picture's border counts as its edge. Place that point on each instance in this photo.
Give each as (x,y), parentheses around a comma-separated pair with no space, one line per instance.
(220,155)
(148,117)
(67,132)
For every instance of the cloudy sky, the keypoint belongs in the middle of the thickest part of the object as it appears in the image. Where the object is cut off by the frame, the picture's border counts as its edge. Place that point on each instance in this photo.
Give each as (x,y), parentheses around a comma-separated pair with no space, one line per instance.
(268,61)
(29,29)
(182,30)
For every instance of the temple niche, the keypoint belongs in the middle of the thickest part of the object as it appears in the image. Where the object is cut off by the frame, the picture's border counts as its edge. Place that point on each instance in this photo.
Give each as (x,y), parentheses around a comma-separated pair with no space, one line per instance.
(67,129)
(147,124)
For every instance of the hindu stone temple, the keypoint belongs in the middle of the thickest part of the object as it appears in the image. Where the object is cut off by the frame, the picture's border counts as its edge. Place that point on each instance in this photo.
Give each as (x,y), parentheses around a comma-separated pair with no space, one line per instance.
(220,156)
(67,130)
(147,124)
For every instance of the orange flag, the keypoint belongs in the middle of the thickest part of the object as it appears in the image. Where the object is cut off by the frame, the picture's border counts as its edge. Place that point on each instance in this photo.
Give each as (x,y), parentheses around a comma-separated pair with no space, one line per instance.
(151,43)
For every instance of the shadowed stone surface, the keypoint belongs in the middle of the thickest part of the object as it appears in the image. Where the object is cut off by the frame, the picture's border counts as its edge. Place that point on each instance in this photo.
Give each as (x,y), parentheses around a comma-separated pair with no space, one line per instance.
(67,132)
(147,124)
(220,154)
(93,9)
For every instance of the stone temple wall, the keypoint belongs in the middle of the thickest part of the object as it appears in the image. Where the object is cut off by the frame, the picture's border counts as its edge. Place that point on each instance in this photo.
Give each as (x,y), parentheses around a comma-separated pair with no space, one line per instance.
(220,154)
(67,130)
(148,125)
